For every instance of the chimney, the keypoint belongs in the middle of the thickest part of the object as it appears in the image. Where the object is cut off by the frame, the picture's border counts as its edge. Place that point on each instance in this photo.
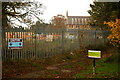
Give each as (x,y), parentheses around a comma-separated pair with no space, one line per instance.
(67,13)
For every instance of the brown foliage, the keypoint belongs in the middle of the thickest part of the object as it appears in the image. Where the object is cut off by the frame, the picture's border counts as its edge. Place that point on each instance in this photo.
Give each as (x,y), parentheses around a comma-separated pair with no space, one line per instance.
(58,21)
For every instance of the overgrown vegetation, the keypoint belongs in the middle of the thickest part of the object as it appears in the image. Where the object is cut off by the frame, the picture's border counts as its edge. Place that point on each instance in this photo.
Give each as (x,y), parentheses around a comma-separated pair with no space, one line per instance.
(74,64)
(107,67)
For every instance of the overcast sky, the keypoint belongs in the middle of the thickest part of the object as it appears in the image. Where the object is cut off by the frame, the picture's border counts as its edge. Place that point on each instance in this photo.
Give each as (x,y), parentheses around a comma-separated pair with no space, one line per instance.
(74,7)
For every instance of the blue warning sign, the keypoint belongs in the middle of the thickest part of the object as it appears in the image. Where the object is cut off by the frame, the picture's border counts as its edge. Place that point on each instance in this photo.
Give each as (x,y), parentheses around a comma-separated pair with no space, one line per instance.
(15,43)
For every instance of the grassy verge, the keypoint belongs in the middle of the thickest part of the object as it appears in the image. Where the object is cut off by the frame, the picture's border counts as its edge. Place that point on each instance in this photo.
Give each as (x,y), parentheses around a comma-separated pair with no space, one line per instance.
(105,68)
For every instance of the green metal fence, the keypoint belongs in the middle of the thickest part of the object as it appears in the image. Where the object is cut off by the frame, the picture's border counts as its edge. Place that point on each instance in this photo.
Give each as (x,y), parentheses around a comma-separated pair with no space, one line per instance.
(46,43)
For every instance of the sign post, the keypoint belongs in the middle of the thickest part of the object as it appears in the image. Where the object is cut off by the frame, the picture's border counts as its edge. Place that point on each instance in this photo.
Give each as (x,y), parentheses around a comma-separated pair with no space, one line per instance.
(94,54)
(94,66)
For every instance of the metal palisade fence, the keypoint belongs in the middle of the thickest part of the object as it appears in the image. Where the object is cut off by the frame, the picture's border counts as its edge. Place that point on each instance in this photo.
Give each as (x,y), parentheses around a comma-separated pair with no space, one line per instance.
(38,44)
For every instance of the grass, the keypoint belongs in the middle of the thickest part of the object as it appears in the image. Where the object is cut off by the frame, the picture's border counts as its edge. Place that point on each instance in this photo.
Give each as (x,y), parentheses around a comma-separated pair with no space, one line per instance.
(68,66)
(107,71)
(104,69)
(78,62)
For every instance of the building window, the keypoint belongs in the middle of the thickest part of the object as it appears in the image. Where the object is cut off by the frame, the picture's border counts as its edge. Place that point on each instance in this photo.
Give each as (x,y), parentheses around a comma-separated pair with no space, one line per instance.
(72,20)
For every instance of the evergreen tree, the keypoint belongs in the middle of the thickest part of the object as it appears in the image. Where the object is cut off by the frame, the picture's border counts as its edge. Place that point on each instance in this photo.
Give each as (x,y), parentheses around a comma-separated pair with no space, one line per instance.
(104,11)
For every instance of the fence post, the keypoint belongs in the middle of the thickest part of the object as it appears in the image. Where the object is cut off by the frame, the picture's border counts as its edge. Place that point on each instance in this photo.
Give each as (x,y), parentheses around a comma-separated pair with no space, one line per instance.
(79,37)
(95,40)
(35,45)
(62,44)
(1,40)
(104,37)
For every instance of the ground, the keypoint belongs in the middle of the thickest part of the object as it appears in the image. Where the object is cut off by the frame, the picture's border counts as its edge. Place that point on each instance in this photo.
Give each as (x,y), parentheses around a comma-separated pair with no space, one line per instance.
(74,64)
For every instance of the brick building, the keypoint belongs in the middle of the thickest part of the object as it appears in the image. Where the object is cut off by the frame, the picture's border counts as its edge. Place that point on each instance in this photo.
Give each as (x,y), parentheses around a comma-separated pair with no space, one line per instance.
(75,22)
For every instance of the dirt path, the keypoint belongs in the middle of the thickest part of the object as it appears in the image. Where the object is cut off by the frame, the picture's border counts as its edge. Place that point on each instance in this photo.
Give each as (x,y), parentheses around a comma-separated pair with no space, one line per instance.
(61,70)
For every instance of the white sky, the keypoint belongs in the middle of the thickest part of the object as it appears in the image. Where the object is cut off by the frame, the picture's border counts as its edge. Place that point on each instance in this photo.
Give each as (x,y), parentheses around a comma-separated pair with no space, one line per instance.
(74,7)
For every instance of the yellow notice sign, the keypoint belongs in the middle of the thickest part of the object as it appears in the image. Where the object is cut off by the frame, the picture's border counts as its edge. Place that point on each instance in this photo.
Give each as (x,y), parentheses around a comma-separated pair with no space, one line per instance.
(94,54)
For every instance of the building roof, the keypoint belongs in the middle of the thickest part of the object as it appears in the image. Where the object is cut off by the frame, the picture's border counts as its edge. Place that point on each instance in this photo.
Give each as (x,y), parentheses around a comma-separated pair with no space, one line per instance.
(78,16)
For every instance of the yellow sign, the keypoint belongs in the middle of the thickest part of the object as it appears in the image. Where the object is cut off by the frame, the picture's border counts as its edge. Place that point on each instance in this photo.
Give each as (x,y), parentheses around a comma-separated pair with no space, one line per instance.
(94,54)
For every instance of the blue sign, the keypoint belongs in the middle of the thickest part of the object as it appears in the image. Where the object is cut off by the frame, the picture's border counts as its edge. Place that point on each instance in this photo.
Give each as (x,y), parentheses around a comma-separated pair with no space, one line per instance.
(15,43)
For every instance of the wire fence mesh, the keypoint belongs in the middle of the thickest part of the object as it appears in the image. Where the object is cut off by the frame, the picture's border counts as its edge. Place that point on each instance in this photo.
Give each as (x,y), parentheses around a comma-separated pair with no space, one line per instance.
(46,43)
